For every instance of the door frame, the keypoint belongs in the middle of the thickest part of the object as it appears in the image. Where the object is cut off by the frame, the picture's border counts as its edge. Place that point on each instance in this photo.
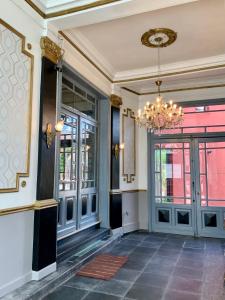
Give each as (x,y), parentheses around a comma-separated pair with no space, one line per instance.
(172,208)
(197,210)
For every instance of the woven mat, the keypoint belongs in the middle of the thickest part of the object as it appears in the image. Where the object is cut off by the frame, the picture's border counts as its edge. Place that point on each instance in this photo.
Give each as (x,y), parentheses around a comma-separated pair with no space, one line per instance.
(103,266)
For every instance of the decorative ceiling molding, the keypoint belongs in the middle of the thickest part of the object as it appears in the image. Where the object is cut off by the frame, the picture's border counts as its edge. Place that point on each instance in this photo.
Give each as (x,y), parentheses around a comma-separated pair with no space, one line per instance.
(69,10)
(84,55)
(87,47)
(155,75)
(175,90)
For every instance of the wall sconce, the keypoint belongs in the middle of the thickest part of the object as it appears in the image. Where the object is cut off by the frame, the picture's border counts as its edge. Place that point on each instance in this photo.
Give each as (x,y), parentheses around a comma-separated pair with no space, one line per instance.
(50,134)
(116,150)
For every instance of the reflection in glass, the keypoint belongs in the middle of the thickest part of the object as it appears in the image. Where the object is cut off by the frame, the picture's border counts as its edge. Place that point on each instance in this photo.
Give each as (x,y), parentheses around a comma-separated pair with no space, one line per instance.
(183,217)
(163,216)
(88,157)
(84,199)
(68,155)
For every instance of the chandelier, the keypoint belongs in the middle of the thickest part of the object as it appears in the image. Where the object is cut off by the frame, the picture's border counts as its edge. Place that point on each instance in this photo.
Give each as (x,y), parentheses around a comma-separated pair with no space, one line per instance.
(159,115)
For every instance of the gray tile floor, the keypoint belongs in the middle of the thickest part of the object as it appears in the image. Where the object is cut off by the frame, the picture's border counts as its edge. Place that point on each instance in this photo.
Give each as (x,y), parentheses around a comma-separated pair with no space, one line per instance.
(160,266)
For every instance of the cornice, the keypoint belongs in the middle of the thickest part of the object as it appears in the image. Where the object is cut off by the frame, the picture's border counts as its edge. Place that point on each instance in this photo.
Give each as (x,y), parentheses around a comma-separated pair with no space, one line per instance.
(176,90)
(90,51)
(76,47)
(70,10)
(219,63)
(173,69)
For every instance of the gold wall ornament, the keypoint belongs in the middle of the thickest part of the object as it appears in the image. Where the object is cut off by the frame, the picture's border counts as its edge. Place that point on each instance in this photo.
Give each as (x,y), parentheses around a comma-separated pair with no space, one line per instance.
(19,110)
(51,50)
(158,37)
(116,101)
(50,134)
(129,142)
(23,184)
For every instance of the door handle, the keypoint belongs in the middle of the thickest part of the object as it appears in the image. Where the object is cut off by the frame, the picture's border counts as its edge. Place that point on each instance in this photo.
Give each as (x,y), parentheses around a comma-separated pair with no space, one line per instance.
(193,187)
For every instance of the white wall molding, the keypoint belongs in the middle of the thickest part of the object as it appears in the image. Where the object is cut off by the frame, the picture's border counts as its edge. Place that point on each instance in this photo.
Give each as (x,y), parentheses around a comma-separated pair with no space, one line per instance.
(37,275)
(188,65)
(82,42)
(14,284)
(130,227)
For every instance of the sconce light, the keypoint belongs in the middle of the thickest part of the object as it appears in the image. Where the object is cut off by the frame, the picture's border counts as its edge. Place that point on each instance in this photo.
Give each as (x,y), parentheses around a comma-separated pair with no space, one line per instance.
(116,150)
(50,134)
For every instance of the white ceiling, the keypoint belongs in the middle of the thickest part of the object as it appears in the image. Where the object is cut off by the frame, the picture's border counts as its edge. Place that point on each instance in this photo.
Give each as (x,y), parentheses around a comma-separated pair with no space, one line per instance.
(200,27)
(110,35)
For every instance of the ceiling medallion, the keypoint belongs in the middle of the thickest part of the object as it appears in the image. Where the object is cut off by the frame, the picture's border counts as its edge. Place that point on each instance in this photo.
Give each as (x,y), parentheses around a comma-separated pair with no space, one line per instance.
(159,37)
(159,115)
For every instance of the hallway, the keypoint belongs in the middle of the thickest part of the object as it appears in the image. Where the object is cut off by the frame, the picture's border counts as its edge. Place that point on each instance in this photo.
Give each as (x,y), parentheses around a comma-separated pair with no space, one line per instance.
(160,266)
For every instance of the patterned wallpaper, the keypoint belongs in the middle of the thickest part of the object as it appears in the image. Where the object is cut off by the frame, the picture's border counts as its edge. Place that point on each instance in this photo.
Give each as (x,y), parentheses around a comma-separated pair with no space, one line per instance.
(15,107)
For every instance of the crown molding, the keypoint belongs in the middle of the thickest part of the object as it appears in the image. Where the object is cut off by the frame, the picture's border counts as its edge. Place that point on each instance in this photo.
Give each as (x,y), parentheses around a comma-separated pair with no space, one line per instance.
(175,89)
(77,48)
(84,44)
(181,68)
(38,7)
(178,68)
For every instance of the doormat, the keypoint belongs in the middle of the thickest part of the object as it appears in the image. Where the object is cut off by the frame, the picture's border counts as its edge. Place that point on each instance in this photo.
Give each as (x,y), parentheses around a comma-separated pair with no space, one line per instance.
(103,266)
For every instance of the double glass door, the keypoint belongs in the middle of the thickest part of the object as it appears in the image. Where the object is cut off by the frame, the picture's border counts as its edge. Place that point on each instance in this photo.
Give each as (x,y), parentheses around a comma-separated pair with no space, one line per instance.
(77,192)
(188,194)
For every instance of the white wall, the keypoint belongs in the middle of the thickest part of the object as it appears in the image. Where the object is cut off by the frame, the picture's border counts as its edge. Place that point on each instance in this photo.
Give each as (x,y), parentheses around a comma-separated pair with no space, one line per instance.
(16,232)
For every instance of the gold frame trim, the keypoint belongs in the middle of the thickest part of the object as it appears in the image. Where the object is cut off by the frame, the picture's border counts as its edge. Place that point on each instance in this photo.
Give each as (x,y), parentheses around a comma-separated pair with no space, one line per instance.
(176,90)
(37,205)
(24,51)
(69,10)
(128,113)
(172,36)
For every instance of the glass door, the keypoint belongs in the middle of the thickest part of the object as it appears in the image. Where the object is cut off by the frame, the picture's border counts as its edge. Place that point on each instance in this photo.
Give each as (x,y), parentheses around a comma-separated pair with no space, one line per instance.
(210,186)
(68,175)
(77,185)
(173,195)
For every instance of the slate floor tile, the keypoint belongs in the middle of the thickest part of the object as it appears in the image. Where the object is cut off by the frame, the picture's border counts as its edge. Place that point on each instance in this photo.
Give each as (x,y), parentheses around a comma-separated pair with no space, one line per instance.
(161,269)
(66,293)
(183,284)
(99,296)
(113,287)
(81,282)
(151,279)
(141,292)
(175,295)
(188,273)
(127,275)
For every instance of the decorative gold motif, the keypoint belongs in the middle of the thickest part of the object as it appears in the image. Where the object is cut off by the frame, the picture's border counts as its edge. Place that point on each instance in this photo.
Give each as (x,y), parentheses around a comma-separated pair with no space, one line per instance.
(50,50)
(69,10)
(129,177)
(116,101)
(158,37)
(23,183)
(29,46)
(42,204)
(24,51)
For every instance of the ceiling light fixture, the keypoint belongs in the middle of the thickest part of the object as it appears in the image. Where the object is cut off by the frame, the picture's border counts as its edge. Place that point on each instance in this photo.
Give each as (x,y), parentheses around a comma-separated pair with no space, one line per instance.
(159,115)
